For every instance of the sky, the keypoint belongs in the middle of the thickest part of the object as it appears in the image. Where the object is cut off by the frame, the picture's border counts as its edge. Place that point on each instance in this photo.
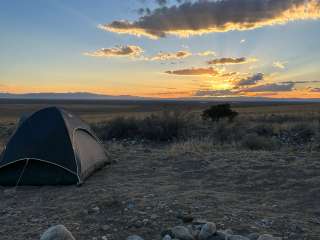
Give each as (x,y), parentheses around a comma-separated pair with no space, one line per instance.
(162,48)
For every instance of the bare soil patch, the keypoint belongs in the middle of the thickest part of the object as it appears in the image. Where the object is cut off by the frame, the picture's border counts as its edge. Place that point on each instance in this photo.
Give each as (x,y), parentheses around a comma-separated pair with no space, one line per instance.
(148,187)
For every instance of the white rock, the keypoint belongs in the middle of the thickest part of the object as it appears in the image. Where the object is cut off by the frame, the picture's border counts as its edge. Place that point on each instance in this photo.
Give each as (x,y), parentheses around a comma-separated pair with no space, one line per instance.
(58,232)
(134,237)
(207,231)
(167,237)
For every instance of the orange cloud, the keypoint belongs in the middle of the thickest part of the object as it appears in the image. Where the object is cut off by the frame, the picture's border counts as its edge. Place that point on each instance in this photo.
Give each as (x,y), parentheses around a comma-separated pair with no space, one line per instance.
(170,56)
(201,17)
(206,53)
(122,51)
(194,71)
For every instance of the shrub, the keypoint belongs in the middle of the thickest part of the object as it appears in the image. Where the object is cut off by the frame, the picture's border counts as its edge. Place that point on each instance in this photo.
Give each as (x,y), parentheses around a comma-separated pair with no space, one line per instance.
(5,131)
(254,142)
(220,111)
(263,130)
(225,132)
(166,126)
(222,132)
(117,128)
(302,133)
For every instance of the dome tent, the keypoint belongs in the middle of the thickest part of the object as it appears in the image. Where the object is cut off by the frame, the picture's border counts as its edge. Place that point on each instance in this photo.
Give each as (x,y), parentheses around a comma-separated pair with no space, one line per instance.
(51,146)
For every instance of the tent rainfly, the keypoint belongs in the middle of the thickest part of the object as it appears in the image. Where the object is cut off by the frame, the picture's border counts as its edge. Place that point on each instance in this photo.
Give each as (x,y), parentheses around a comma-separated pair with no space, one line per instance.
(51,147)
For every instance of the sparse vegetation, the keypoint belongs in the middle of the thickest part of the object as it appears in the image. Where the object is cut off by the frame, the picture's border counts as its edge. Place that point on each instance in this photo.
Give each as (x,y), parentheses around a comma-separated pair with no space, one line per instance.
(166,126)
(253,141)
(220,111)
(5,132)
(269,127)
(258,170)
(248,131)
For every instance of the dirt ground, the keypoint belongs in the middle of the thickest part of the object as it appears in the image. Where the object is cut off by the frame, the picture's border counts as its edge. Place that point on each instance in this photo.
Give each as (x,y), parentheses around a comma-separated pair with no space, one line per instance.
(148,187)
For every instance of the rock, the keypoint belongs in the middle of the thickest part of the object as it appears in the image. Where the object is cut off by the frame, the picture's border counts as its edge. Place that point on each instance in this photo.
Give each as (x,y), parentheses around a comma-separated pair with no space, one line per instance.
(253,236)
(166,232)
(130,205)
(199,222)
(58,232)
(181,233)
(228,231)
(217,237)
(134,237)
(153,216)
(224,234)
(167,237)
(95,209)
(268,237)
(137,224)
(105,227)
(207,231)
(237,237)
(185,217)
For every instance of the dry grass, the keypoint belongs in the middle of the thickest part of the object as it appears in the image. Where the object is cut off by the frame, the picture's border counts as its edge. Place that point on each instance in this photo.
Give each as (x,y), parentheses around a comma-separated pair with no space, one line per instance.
(258,126)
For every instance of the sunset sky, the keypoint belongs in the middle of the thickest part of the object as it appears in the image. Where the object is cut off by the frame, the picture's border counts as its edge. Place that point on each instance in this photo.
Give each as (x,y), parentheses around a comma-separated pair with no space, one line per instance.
(162,48)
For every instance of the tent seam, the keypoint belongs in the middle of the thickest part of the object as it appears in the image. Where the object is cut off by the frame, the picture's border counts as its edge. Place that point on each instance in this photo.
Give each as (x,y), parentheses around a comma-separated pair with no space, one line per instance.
(38,159)
(72,144)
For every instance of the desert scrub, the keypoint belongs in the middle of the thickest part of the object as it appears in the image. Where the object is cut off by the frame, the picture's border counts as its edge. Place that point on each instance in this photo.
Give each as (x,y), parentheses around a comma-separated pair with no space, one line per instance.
(247,131)
(253,141)
(298,134)
(217,112)
(5,131)
(225,132)
(192,146)
(166,126)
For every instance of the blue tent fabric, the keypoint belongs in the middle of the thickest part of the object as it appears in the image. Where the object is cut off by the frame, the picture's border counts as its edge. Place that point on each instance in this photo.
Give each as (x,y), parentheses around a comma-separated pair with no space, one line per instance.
(51,146)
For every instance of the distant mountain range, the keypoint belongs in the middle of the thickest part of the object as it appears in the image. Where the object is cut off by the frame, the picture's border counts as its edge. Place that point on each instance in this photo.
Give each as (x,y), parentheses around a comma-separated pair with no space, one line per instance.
(67,96)
(94,96)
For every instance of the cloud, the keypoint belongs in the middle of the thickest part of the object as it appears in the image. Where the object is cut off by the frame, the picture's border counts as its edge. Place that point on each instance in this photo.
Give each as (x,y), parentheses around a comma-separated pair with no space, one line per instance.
(273,87)
(119,51)
(278,64)
(226,61)
(206,53)
(301,82)
(214,93)
(314,90)
(252,80)
(200,17)
(161,2)
(170,56)
(194,71)
(242,40)
(229,74)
